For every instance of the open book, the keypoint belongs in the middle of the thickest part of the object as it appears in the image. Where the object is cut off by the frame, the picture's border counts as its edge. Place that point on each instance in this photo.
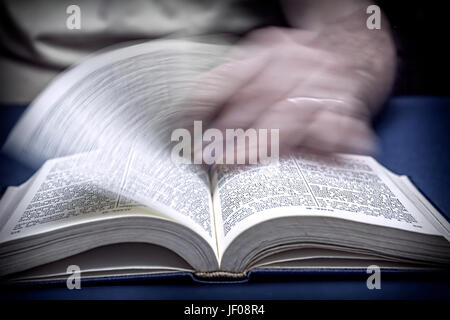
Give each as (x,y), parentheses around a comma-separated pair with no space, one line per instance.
(125,208)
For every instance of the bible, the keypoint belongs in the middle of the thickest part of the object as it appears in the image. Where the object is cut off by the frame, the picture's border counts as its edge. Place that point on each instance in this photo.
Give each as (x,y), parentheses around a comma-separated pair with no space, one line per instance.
(108,198)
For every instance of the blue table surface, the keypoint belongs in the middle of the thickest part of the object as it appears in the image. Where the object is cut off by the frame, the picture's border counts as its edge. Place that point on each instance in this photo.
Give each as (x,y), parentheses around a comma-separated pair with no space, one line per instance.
(414,135)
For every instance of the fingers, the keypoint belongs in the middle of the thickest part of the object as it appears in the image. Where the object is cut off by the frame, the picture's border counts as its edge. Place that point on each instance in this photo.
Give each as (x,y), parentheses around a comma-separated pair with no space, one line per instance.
(316,99)
(291,120)
(217,87)
(332,132)
(253,99)
(314,126)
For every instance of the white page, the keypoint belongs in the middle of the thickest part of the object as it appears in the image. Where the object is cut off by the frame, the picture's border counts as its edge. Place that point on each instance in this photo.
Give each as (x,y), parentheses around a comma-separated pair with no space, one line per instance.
(312,186)
(11,199)
(130,98)
(133,256)
(430,212)
(73,190)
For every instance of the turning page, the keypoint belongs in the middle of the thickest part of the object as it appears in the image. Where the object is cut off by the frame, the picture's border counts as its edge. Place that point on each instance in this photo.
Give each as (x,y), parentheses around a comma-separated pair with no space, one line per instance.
(129,96)
(121,100)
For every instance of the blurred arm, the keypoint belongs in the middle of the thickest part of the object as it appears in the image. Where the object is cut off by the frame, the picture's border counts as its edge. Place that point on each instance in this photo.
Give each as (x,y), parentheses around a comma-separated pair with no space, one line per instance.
(341,26)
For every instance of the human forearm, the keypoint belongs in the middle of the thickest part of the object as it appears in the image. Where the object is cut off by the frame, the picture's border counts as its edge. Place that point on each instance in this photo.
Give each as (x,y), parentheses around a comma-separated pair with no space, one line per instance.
(340,26)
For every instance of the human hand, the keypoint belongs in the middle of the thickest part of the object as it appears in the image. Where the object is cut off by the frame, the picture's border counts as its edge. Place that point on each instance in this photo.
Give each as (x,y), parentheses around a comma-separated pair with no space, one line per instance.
(319,88)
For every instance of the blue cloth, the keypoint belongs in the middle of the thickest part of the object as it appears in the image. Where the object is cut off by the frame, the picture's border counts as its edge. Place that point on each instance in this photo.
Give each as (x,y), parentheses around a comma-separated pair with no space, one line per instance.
(415,139)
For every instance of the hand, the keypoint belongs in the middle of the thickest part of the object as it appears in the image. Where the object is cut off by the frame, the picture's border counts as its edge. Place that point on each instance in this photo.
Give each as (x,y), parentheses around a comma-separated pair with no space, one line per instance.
(319,88)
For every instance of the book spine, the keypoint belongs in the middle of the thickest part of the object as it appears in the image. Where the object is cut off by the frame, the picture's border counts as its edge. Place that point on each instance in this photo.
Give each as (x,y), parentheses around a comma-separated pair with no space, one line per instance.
(221,275)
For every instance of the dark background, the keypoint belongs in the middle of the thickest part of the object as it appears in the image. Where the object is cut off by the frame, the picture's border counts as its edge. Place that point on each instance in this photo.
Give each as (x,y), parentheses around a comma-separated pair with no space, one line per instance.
(422,34)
